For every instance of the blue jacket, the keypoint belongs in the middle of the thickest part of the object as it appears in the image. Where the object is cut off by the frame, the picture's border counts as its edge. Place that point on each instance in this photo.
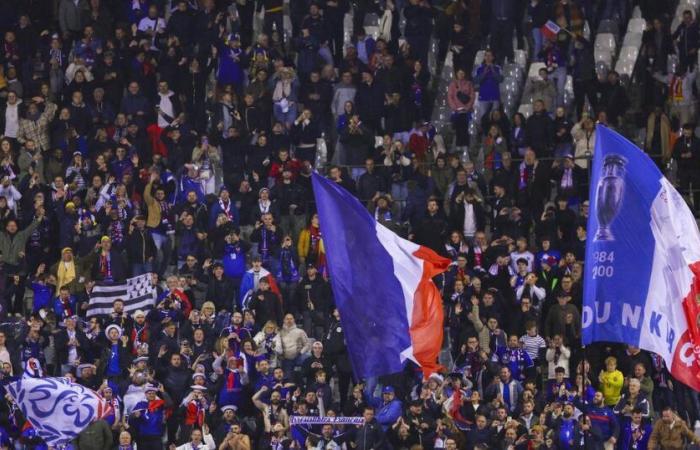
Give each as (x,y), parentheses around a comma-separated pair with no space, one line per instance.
(566,435)
(626,438)
(216,209)
(60,310)
(231,62)
(387,413)
(234,260)
(149,423)
(42,295)
(517,361)
(488,79)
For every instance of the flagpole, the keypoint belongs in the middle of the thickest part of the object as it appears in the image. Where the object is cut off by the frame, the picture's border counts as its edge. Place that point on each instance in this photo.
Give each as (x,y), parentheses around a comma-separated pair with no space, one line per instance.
(584,361)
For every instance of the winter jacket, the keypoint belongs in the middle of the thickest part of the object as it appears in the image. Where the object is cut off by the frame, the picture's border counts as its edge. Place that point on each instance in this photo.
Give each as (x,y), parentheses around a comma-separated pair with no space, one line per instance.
(97,436)
(11,245)
(294,342)
(673,436)
(140,246)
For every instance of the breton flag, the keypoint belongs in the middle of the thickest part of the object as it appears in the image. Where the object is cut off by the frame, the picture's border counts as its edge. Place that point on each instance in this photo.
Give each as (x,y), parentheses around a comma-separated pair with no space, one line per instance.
(550,30)
(57,408)
(137,293)
(642,275)
(390,308)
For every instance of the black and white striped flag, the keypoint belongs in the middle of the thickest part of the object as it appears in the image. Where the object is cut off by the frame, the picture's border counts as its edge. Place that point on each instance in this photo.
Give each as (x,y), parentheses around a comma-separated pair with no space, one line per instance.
(136,292)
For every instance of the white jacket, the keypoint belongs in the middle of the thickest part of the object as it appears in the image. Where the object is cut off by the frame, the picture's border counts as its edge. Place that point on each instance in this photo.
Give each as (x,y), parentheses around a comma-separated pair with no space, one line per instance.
(294,342)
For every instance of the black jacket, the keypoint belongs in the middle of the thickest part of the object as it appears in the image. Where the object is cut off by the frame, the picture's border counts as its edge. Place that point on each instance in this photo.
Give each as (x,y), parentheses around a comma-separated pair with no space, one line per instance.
(458,212)
(334,346)
(289,194)
(266,306)
(369,437)
(221,292)
(140,246)
(61,343)
(431,232)
(539,132)
(318,291)
(176,380)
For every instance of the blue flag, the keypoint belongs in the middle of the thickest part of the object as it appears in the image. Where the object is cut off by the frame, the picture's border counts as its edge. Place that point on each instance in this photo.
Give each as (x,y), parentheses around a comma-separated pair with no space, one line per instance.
(642,258)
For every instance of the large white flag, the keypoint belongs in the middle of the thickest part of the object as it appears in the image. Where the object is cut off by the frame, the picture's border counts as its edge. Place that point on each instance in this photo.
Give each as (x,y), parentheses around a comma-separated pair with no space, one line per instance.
(57,408)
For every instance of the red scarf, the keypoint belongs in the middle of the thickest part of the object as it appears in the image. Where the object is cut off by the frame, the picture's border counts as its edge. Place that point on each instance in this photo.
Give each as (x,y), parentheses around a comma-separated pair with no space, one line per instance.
(67,310)
(155,405)
(230,380)
(195,414)
(456,407)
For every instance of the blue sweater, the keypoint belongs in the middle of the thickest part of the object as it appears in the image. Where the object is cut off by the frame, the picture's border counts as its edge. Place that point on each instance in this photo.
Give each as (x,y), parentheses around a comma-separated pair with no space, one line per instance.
(604,420)
(488,78)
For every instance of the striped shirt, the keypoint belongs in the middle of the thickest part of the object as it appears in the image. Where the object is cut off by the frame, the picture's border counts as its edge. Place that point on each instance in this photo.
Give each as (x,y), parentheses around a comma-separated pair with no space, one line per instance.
(532,345)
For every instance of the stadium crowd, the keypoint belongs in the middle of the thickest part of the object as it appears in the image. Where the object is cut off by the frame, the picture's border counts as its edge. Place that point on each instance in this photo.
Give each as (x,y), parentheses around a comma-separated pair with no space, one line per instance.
(175,140)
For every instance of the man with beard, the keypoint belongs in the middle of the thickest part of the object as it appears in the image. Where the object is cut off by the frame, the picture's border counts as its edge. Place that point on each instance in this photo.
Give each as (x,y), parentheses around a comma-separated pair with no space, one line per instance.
(273,412)
(564,427)
(603,424)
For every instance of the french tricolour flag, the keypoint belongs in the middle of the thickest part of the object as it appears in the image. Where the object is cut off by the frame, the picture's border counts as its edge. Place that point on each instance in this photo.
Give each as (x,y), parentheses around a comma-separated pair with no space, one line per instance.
(390,309)
(642,271)
(550,30)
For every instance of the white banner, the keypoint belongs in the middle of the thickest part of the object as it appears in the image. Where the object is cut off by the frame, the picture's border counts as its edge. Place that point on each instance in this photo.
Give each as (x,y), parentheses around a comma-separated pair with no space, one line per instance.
(313,420)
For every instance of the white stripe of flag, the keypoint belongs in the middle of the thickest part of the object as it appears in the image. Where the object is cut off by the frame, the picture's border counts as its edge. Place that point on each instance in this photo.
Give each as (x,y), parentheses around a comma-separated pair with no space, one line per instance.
(136,292)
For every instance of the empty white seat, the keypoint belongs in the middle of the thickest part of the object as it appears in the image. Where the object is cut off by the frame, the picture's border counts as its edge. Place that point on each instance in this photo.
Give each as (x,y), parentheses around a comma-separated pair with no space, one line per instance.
(605,41)
(525,109)
(627,60)
(628,53)
(604,56)
(636,25)
(521,58)
(633,40)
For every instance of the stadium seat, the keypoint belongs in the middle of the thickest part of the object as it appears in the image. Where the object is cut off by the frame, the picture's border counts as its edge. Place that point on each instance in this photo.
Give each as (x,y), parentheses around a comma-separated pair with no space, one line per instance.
(605,41)
(636,26)
(525,109)
(535,69)
(632,40)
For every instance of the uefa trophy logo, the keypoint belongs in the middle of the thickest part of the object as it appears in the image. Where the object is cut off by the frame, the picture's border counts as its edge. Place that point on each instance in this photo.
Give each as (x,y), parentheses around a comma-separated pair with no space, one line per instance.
(611,185)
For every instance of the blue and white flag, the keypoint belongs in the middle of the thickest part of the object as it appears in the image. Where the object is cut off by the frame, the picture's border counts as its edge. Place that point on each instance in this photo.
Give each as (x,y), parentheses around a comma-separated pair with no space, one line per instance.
(642,259)
(57,408)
